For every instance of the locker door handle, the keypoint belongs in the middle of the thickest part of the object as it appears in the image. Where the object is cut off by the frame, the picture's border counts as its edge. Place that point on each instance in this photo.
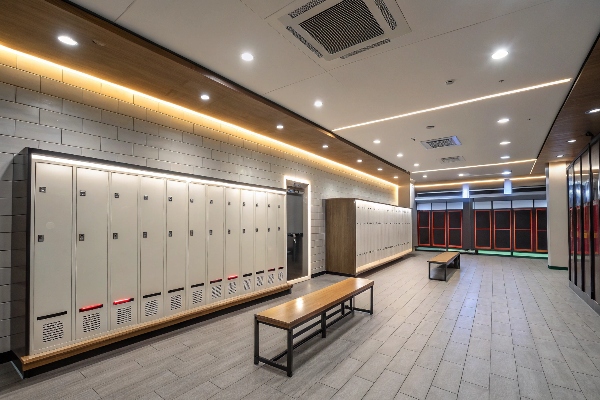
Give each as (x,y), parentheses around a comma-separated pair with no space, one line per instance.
(211,202)
(115,235)
(191,232)
(116,195)
(40,238)
(170,198)
(170,233)
(145,197)
(145,235)
(243,231)
(81,237)
(256,229)
(210,232)
(229,231)
(191,200)
(82,193)
(42,189)
(278,228)
(228,203)
(268,229)
(243,203)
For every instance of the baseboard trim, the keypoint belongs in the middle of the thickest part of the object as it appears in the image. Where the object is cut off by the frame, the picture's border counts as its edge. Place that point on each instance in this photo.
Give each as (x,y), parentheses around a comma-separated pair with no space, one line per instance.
(558,268)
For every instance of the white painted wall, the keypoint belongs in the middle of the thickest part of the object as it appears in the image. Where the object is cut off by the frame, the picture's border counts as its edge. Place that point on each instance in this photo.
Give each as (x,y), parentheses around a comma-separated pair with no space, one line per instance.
(556,195)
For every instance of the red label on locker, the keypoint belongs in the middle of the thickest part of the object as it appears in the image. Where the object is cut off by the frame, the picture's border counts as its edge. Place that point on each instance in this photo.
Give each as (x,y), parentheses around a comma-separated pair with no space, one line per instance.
(230,277)
(92,307)
(122,301)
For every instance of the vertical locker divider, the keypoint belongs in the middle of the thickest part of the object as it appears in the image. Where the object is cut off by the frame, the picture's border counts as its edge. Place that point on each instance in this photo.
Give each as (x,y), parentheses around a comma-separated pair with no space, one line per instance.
(232,241)
(196,266)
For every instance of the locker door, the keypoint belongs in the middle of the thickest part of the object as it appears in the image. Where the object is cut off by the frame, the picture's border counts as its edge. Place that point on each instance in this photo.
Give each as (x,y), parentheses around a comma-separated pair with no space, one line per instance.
(123,250)
(197,246)
(271,239)
(215,215)
(232,241)
(177,234)
(91,253)
(152,247)
(52,255)
(281,241)
(260,239)
(247,239)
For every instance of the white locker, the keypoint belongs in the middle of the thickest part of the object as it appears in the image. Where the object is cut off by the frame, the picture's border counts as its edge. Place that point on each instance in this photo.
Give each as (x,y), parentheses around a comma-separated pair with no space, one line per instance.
(232,241)
(197,246)
(123,250)
(260,240)
(152,241)
(91,253)
(215,215)
(177,234)
(51,286)
(247,242)
(271,239)
(281,240)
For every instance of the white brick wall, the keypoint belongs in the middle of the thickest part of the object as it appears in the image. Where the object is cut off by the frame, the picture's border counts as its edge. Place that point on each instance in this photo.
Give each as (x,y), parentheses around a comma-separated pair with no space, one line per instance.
(39,112)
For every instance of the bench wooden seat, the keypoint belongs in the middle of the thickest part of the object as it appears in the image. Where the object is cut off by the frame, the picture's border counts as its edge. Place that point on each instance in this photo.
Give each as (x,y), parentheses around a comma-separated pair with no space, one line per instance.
(294,313)
(446,258)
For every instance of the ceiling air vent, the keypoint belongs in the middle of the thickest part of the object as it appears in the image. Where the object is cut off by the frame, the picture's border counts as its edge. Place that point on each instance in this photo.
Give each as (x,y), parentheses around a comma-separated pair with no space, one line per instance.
(442,142)
(447,160)
(334,29)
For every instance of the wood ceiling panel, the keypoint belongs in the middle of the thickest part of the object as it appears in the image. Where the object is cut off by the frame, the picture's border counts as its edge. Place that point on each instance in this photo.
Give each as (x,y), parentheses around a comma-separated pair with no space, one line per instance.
(572,122)
(32,26)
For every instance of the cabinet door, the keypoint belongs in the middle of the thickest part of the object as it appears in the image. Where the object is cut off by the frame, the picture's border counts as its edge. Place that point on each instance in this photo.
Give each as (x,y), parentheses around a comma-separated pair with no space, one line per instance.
(123,250)
(247,241)
(260,239)
(91,253)
(281,240)
(51,287)
(152,247)
(232,241)
(197,246)
(177,234)
(271,239)
(215,216)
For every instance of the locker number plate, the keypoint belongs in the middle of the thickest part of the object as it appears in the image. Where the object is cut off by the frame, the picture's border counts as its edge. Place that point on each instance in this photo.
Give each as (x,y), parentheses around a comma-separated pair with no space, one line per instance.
(210,232)
(145,197)
(82,192)
(145,235)
(170,233)
(191,232)
(42,189)
(40,238)
(115,235)
(191,200)
(116,195)
(81,237)
(170,198)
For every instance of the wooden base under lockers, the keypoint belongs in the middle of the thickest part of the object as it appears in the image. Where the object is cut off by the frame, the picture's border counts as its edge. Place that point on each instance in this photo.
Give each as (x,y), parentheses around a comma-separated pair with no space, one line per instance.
(28,363)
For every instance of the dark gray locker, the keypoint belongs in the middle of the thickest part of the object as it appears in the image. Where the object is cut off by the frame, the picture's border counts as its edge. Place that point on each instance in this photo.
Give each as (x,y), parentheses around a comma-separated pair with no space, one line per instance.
(247,242)
(152,247)
(197,246)
(232,241)
(91,253)
(272,239)
(281,240)
(215,215)
(260,240)
(51,286)
(123,250)
(177,235)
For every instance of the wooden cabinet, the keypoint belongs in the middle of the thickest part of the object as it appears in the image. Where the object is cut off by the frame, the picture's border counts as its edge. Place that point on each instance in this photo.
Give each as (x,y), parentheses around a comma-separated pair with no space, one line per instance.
(361,235)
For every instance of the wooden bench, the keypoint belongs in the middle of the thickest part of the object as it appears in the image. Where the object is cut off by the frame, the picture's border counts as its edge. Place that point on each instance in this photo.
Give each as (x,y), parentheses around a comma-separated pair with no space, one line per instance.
(446,258)
(294,313)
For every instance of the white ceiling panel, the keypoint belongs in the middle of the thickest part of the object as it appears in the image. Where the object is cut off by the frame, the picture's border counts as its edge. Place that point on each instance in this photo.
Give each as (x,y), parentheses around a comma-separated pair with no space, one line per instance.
(109,9)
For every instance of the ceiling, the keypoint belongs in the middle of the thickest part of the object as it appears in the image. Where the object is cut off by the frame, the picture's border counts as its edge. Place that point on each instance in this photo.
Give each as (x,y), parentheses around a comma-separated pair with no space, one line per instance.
(448,39)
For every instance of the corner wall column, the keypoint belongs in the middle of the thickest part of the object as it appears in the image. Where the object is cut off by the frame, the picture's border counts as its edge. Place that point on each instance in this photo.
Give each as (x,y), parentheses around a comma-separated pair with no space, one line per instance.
(558,217)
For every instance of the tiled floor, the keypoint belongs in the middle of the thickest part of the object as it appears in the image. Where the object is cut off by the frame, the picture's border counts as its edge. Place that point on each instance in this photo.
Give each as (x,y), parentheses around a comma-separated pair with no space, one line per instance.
(501,328)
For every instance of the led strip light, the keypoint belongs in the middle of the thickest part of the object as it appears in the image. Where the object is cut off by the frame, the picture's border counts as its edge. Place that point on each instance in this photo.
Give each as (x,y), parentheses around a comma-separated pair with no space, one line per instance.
(475,166)
(482,181)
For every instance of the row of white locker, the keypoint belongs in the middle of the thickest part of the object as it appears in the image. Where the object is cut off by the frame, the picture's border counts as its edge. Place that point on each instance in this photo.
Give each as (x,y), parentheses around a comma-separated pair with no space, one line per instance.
(112,249)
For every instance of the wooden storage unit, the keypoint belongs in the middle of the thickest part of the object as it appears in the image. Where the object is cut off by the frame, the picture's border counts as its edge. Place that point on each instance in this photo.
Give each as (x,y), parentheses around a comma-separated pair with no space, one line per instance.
(361,235)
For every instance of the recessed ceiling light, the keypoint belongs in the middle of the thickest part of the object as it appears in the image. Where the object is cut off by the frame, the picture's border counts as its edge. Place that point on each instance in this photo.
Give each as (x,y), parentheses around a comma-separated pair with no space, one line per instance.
(461,174)
(67,40)
(359,160)
(430,126)
(399,155)
(499,54)
(506,173)
(503,120)
(571,141)
(379,169)
(247,57)
(424,176)
(460,103)
(279,126)
(325,146)
(593,111)
(376,141)
(205,97)
(504,143)
(417,164)
(560,156)
(505,157)
(396,177)
(318,103)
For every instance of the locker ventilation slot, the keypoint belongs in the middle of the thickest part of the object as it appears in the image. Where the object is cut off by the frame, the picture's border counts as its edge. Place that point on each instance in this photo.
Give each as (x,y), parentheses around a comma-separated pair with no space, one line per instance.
(231,288)
(52,331)
(260,280)
(176,302)
(217,291)
(271,279)
(197,296)
(91,322)
(247,284)
(123,315)
(151,308)
(280,275)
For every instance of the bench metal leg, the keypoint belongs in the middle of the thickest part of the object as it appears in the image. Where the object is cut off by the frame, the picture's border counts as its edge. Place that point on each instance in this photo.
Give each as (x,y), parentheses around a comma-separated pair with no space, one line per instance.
(446,272)
(290,352)
(256,340)
(371,300)
(323,325)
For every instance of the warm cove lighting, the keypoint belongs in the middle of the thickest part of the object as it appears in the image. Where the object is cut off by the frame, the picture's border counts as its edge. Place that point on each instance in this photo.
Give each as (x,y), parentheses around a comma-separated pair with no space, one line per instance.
(260,138)
(477,166)
(482,181)
(491,96)
(67,40)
